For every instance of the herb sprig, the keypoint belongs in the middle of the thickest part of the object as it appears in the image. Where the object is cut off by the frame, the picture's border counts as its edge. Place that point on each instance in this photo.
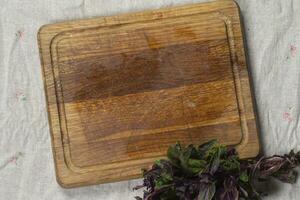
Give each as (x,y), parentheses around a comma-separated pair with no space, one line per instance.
(213,171)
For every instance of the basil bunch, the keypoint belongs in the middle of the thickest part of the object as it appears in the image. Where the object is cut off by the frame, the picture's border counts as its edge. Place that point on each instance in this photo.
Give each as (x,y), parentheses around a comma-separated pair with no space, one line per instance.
(212,171)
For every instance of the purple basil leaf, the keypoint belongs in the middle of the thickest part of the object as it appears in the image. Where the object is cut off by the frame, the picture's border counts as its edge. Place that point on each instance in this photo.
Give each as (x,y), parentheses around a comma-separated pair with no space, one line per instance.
(269,166)
(216,162)
(231,152)
(138,187)
(207,191)
(232,194)
(229,190)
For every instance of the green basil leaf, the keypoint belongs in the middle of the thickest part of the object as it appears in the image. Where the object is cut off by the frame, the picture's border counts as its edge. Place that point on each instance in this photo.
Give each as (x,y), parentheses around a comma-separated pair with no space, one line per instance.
(244,177)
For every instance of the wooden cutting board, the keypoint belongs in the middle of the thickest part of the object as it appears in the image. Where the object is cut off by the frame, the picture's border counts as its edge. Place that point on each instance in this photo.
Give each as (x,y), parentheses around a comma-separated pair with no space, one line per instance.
(121,89)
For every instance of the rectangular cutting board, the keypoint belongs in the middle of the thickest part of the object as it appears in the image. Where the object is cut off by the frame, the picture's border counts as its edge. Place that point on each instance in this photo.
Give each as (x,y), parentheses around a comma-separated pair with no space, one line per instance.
(121,89)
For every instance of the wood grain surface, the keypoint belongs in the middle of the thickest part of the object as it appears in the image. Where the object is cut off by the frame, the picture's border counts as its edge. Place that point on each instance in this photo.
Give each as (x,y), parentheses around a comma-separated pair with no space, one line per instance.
(121,89)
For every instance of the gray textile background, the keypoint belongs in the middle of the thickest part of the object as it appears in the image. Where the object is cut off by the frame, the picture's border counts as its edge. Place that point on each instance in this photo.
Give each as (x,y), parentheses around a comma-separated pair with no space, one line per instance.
(272,30)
